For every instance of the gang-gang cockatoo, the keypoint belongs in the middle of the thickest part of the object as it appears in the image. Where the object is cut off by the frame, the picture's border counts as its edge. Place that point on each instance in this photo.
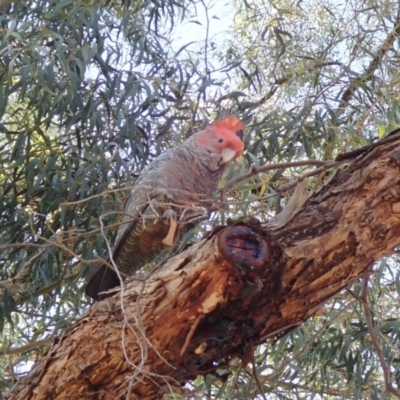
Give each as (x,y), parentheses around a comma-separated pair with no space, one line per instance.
(174,192)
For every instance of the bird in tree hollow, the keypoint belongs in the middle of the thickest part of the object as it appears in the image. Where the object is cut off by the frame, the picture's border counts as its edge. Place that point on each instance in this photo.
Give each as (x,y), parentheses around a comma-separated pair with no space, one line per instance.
(173,193)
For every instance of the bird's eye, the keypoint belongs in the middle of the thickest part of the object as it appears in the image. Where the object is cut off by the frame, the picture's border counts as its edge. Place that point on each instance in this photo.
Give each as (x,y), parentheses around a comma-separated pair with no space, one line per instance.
(220,140)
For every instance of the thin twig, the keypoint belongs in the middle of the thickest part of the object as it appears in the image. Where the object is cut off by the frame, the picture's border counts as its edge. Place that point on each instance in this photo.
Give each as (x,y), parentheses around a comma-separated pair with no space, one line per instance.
(189,335)
(207,72)
(13,245)
(269,167)
(93,196)
(253,362)
(27,347)
(369,72)
(375,341)
(47,289)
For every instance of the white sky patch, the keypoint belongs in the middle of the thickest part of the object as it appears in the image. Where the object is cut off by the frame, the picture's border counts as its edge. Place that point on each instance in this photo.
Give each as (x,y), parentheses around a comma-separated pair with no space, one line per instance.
(214,16)
(24,367)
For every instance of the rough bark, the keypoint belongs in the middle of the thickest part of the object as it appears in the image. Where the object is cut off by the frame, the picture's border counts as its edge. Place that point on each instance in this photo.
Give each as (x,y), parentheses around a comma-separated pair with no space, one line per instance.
(231,291)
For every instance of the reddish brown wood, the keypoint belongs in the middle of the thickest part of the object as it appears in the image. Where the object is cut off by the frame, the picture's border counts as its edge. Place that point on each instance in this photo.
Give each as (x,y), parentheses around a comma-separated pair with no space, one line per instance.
(229,292)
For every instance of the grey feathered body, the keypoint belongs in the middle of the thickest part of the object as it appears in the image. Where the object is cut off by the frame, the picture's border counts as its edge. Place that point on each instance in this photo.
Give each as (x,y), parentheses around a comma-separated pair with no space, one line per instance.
(183,179)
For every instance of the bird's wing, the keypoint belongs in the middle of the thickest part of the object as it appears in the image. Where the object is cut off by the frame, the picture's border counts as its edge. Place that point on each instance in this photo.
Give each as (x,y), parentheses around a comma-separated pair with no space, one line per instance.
(163,186)
(144,207)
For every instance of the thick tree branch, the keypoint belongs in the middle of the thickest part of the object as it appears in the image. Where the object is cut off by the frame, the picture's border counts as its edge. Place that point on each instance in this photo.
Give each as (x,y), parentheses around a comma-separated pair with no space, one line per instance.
(233,290)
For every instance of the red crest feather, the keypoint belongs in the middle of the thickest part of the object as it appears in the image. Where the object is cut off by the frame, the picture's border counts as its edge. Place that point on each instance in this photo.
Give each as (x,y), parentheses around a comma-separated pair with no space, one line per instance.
(229,122)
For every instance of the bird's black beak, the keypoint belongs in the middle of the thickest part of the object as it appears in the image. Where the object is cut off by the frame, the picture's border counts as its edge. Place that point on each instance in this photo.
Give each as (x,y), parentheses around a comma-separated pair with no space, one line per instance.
(240,134)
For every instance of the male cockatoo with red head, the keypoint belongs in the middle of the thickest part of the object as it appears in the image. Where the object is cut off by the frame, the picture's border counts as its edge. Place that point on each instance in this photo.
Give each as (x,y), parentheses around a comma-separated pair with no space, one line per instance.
(175,191)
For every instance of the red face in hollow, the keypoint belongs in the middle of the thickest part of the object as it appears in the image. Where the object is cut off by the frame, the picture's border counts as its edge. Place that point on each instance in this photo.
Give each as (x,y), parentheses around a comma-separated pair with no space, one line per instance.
(223,137)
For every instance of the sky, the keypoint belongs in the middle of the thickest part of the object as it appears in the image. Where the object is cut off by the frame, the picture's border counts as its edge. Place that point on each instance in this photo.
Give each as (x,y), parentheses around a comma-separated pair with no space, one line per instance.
(220,15)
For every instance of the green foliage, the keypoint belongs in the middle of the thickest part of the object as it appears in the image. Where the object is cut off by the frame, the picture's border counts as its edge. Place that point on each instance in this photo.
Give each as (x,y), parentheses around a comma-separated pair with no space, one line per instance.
(91,91)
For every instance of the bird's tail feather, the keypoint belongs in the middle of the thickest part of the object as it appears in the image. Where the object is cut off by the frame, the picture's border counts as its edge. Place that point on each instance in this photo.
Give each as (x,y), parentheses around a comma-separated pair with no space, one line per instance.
(99,279)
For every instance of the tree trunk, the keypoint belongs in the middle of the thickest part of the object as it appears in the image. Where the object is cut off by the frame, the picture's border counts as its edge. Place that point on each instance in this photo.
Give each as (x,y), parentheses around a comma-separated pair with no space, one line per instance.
(229,292)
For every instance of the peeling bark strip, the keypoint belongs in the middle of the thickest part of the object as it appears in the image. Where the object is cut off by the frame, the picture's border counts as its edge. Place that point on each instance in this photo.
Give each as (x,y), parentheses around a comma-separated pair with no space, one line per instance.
(227,293)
